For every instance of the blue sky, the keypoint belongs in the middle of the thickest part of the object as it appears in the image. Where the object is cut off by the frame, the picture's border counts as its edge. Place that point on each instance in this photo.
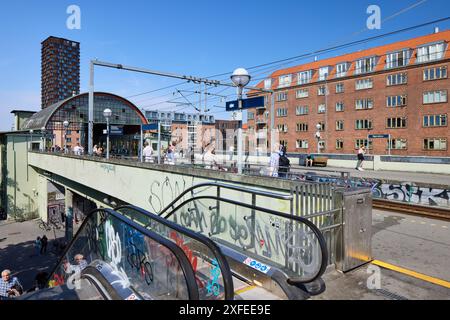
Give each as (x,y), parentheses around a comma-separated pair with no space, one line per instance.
(199,38)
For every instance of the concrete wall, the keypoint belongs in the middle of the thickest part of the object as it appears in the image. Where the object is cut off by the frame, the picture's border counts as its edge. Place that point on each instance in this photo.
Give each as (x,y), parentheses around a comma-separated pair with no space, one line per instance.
(152,187)
(22,192)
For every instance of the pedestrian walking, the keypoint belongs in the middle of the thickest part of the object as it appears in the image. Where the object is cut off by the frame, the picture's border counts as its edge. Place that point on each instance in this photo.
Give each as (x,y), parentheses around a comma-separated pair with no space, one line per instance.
(361,152)
(274,162)
(9,287)
(283,163)
(37,246)
(44,242)
(147,153)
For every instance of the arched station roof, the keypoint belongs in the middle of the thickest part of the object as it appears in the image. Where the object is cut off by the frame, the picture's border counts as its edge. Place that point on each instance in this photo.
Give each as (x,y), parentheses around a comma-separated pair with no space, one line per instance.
(75,110)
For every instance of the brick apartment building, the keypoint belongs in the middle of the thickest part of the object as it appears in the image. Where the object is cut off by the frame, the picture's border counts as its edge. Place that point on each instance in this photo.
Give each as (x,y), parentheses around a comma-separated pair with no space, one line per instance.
(60,70)
(399,89)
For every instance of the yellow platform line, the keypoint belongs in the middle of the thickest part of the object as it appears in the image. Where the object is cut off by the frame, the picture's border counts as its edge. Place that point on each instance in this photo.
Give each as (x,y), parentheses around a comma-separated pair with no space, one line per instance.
(241,291)
(411,273)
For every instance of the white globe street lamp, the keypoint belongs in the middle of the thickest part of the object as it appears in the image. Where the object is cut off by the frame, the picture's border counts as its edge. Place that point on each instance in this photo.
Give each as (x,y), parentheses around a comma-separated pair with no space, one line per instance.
(240,79)
(107,113)
(44,139)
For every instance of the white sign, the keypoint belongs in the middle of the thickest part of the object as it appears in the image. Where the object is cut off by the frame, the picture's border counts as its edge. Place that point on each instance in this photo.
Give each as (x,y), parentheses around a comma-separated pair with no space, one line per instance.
(257,265)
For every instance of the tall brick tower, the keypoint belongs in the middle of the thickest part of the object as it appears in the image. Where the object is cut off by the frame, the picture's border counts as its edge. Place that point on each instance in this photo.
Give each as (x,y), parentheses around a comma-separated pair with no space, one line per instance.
(60,70)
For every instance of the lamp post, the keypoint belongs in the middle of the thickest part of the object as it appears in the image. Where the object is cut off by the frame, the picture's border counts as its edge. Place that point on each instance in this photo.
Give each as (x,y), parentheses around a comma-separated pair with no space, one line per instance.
(107,113)
(31,139)
(44,140)
(240,79)
(66,125)
(318,127)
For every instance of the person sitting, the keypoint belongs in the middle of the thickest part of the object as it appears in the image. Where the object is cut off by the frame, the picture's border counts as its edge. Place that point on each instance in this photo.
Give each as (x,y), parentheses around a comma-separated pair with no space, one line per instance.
(9,287)
(309,160)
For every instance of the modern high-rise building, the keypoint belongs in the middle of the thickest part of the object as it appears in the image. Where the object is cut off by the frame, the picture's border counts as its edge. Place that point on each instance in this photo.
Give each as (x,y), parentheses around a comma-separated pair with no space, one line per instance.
(60,70)
(392,98)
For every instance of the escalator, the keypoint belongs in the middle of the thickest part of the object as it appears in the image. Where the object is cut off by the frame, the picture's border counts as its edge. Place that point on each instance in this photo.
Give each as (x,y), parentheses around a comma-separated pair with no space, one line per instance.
(288,266)
(115,258)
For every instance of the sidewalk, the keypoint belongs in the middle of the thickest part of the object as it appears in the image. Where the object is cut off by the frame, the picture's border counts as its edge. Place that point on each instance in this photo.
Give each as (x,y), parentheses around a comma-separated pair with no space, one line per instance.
(17,251)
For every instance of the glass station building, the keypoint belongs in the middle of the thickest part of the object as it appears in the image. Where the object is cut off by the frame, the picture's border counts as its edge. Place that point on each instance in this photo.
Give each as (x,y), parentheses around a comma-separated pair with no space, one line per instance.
(125,123)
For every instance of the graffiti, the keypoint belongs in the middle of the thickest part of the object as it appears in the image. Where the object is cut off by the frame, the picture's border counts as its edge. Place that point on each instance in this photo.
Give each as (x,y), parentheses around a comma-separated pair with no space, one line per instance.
(108,167)
(284,242)
(190,255)
(114,253)
(162,193)
(400,191)
(136,257)
(213,286)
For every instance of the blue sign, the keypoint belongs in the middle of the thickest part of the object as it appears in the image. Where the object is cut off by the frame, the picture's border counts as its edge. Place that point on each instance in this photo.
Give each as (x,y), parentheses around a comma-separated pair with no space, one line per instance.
(246,104)
(116,130)
(147,127)
(378,136)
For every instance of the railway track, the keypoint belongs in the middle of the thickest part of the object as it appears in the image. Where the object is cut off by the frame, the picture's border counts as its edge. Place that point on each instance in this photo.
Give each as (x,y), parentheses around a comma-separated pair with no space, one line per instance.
(424,211)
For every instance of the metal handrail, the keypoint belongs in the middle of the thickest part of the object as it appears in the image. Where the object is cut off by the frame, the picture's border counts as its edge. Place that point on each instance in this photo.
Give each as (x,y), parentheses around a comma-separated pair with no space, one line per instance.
(312,226)
(230,187)
(177,251)
(211,245)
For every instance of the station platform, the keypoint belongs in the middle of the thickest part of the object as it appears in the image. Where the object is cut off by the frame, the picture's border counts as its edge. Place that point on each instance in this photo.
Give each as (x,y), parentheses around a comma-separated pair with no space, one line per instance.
(431,179)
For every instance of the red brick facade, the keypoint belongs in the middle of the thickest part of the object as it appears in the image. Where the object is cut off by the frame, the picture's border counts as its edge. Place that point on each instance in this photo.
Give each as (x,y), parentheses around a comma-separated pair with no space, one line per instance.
(414,111)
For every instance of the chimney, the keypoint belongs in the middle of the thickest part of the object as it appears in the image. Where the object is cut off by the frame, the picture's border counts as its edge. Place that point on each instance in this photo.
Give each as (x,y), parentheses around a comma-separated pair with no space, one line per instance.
(436,29)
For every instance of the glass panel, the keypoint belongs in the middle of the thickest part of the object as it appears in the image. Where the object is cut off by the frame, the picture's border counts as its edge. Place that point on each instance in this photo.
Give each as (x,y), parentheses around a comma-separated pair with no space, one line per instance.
(279,241)
(204,262)
(132,262)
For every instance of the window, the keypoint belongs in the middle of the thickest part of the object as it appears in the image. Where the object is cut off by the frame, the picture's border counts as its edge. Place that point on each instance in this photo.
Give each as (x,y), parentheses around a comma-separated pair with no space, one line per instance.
(363,124)
(69,139)
(398,59)
(321,91)
(435,144)
(282,128)
(364,142)
(341,69)
(305,77)
(396,101)
(339,106)
(339,144)
(302,93)
(268,84)
(362,104)
(435,73)
(251,116)
(323,73)
(395,123)
(396,79)
(301,110)
(302,127)
(365,65)
(301,144)
(364,84)
(322,126)
(283,143)
(439,96)
(339,88)
(339,125)
(282,96)
(282,112)
(284,81)
(435,120)
(397,144)
(430,52)
(321,108)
